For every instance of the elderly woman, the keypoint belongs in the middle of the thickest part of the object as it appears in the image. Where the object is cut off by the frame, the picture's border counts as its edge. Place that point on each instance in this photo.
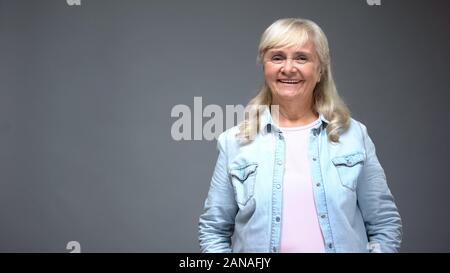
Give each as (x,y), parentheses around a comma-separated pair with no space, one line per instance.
(300,175)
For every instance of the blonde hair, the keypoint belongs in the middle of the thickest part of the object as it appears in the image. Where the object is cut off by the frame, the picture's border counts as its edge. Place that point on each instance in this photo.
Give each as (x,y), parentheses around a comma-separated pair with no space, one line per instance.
(297,31)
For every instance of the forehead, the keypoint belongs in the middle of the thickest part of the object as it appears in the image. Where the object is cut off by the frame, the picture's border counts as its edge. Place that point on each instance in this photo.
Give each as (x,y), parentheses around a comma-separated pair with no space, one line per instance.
(307,47)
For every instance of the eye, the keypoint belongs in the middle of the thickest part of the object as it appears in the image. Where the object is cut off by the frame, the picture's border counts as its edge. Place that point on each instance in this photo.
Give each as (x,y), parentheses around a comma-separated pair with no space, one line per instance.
(301,58)
(277,58)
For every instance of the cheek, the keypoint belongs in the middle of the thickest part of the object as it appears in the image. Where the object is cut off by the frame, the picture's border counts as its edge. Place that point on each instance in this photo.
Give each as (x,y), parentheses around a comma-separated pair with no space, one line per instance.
(311,74)
(270,74)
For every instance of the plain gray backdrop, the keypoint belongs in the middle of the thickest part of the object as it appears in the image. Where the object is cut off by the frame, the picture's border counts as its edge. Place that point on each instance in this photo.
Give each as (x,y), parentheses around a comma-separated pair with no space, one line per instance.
(86,93)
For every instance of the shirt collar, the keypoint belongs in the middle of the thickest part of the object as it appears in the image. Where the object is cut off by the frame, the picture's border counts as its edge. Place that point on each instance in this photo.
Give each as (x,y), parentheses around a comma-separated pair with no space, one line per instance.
(267,124)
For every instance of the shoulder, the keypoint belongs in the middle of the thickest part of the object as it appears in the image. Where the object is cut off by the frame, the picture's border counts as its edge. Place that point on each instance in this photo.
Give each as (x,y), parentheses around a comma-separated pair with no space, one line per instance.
(356,129)
(352,140)
(228,139)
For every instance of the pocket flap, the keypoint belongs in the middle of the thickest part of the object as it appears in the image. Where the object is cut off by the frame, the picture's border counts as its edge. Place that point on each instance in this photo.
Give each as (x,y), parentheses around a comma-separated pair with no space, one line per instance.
(348,160)
(242,173)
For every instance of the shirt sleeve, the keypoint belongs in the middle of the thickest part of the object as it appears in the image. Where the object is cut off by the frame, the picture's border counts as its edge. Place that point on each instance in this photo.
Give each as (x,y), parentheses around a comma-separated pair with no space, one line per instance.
(381,216)
(216,223)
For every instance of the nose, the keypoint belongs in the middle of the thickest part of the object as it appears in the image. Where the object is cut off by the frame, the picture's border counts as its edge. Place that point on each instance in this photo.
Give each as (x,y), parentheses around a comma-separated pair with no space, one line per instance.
(288,66)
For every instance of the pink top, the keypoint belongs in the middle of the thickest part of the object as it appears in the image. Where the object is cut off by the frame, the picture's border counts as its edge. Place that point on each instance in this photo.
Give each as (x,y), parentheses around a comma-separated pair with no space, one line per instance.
(300,230)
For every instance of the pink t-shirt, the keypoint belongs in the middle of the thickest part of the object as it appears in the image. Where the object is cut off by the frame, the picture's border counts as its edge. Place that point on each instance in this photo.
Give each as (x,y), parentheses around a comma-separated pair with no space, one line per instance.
(300,230)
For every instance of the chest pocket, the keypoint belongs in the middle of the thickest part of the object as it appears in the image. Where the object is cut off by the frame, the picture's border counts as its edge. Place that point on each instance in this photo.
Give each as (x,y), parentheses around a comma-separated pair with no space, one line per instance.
(349,168)
(243,180)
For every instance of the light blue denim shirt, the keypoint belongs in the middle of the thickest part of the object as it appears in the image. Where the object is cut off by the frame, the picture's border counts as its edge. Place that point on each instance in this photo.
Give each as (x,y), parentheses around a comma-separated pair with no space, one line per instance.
(355,208)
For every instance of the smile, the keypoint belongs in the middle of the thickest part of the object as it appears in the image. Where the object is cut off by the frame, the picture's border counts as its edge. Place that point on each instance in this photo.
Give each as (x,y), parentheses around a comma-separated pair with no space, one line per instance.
(289,81)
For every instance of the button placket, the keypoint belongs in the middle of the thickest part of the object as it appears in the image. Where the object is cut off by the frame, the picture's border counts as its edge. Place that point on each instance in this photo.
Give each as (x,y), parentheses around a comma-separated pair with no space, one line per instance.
(276,192)
(319,189)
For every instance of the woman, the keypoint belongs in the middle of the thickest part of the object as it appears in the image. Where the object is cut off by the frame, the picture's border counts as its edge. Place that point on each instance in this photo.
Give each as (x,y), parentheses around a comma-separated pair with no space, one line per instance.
(300,175)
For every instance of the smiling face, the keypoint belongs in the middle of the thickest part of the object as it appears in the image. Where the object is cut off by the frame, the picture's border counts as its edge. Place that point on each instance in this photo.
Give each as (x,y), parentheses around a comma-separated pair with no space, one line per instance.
(292,72)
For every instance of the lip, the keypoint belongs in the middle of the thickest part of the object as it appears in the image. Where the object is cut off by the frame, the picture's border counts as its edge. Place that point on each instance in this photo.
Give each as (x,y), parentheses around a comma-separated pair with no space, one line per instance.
(289,81)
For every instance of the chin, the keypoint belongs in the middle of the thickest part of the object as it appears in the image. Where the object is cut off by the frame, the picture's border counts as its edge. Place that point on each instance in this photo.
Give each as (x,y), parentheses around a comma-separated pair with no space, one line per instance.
(288,93)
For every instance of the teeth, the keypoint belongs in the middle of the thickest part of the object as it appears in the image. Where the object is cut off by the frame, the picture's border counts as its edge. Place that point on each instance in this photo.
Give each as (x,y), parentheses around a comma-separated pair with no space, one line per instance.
(289,81)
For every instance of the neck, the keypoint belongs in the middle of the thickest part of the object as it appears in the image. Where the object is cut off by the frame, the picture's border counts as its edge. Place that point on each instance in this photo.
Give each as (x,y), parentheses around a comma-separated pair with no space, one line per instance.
(294,114)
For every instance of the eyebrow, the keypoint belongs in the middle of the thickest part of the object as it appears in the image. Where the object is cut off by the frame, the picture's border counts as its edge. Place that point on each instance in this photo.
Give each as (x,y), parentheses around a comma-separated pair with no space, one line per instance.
(282,52)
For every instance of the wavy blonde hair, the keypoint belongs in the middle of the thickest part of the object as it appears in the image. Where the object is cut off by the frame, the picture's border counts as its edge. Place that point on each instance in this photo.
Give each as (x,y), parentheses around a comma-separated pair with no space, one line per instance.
(326,101)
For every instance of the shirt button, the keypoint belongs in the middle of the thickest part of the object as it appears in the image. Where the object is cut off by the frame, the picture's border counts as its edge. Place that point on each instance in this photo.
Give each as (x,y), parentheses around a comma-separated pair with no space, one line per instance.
(314,158)
(323,216)
(330,245)
(318,184)
(278,186)
(279,162)
(280,136)
(277,219)
(274,249)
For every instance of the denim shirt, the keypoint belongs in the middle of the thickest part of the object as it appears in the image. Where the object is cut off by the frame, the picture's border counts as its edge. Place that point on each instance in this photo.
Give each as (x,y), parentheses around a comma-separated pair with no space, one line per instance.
(243,209)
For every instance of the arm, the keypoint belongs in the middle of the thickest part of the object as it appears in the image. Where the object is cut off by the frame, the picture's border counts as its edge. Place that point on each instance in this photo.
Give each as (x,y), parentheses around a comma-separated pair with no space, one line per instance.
(381,217)
(216,224)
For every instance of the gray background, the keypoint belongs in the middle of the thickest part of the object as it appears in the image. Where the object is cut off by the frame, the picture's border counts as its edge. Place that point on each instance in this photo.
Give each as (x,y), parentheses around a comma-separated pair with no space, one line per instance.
(86,92)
